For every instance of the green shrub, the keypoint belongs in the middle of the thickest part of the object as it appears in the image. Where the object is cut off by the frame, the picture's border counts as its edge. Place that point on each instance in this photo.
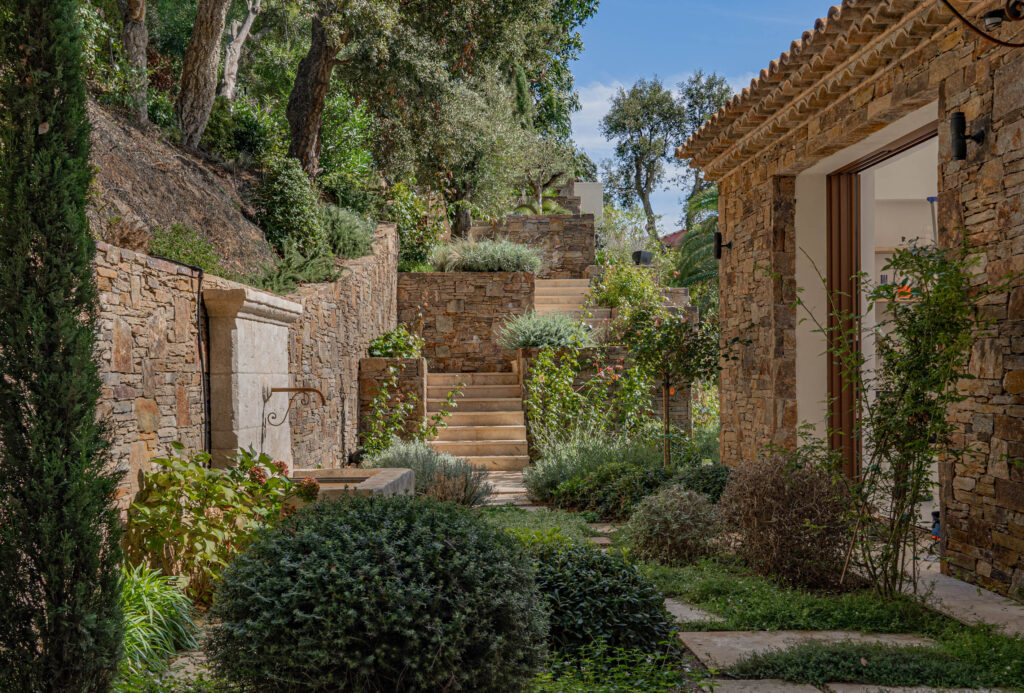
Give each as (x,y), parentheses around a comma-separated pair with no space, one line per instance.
(696,448)
(418,230)
(595,597)
(578,458)
(190,520)
(161,110)
(788,517)
(612,490)
(295,268)
(485,256)
(219,135)
(534,329)
(398,343)
(186,245)
(345,157)
(157,617)
(379,594)
(256,134)
(621,284)
(600,669)
(414,266)
(288,210)
(674,526)
(709,479)
(437,475)
(349,234)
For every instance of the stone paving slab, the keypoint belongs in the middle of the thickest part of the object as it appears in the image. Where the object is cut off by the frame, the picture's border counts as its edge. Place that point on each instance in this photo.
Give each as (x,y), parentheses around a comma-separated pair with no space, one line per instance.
(723,649)
(761,686)
(867,688)
(602,527)
(600,541)
(968,603)
(685,613)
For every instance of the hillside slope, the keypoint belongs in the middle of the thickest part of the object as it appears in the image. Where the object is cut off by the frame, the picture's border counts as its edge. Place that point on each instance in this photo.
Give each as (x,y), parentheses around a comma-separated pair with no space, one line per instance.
(143,182)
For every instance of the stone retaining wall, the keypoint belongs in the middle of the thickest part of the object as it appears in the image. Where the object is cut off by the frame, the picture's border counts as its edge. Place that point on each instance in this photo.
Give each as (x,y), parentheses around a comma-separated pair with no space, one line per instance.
(338,323)
(460,315)
(152,366)
(411,375)
(566,242)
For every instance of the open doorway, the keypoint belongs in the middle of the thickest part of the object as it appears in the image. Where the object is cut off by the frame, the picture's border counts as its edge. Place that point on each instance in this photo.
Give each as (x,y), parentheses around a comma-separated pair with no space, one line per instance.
(876,205)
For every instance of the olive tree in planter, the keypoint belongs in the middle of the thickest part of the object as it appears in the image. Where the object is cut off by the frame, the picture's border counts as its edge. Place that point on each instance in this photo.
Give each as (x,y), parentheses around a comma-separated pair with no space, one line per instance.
(673,346)
(60,620)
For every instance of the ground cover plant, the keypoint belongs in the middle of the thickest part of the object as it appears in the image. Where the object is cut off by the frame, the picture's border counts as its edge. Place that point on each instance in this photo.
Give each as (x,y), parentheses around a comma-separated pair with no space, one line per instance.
(398,343)
(601,669)
(485,256)
(438,475)
(187,245)
(968,658)
(533,329)
(380,594)
(543,520)
(595,597)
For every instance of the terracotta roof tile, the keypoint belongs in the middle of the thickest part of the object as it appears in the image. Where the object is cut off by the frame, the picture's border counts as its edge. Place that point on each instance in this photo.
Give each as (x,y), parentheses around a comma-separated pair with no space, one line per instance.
(845,29)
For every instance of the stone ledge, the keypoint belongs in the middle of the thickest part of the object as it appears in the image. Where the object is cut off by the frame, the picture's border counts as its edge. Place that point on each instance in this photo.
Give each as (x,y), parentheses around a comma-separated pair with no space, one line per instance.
(250,304)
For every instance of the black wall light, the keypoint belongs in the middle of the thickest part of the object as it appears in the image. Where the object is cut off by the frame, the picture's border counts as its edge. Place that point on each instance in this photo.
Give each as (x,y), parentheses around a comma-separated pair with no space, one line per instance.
(719,245)
(1012,12)
(958,136)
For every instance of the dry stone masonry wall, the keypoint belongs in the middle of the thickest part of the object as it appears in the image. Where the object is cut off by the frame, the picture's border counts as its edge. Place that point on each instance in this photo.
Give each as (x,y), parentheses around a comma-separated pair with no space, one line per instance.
(411,383)
(460,315)
(566,242)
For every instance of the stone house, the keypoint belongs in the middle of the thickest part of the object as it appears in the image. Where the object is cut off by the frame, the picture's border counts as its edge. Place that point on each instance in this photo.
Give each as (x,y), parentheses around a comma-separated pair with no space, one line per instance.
(840,151)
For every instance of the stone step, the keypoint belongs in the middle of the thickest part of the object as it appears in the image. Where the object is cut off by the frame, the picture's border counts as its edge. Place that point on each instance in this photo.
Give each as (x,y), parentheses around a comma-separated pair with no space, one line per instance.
(471,433)
(481,448)
(557,301)
(561,282)
(580,313)
(476,391)
(500,463)
(486,418)
(560,291)
(451,379)
(466,404)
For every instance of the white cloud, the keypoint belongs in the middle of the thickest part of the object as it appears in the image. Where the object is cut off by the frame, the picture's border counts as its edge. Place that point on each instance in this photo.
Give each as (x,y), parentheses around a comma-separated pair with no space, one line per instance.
(595,100)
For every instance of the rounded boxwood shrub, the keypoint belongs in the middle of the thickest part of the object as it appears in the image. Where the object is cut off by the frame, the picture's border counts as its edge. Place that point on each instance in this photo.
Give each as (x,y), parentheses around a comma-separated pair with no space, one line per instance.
(288,209)
(595,597)
(675,526)
(379,594)
(612,490)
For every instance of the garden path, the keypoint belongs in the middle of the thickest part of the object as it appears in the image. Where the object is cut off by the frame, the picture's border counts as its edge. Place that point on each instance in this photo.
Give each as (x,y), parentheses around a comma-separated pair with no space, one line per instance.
(968,603)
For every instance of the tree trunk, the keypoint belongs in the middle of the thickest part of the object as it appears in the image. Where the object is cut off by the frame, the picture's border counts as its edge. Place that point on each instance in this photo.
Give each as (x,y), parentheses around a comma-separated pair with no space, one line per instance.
(199,71)
(135,39)
(306,103)
(238,34)
(666,426)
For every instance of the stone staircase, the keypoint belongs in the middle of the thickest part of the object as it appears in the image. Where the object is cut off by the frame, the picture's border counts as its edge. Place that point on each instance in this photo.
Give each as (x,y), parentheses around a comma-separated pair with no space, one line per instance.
(568,296)
(488,427)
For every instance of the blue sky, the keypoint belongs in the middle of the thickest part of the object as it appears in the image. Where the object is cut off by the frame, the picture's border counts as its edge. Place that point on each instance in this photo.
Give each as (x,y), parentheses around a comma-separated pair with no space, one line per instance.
(629,39)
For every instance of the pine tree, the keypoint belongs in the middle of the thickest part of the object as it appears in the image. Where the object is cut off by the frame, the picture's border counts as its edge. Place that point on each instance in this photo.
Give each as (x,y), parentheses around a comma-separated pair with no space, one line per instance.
(60,625)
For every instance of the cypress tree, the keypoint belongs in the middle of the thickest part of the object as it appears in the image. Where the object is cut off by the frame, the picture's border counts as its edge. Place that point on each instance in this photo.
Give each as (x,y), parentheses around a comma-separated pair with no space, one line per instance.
(60,625)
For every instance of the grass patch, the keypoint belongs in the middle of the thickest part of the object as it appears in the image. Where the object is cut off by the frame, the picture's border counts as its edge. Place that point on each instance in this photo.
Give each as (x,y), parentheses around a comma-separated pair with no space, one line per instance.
(974,657)
(749,602)
(570,525)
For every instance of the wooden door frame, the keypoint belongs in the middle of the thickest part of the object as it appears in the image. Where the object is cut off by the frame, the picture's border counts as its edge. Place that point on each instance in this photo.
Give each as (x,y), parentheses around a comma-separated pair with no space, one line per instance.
(843,254)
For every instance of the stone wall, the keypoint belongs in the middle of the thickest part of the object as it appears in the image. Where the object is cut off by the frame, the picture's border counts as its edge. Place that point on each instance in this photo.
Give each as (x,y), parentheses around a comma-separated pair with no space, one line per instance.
(338,323)
(152,362)
(460,315)
(922,57)
(566,242)
(150,357)
(411,382)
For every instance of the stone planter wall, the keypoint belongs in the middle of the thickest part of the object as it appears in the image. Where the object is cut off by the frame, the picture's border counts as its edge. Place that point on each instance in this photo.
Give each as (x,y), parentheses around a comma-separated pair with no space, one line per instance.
(460,315)
(566,242)
(411,382)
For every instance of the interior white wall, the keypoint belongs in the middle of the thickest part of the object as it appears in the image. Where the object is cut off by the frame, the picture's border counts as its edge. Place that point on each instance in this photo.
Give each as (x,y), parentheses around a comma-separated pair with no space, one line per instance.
(811,243)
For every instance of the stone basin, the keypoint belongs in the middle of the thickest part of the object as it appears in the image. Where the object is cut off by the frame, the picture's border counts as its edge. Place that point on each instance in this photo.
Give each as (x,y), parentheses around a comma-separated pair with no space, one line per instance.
(338,483)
